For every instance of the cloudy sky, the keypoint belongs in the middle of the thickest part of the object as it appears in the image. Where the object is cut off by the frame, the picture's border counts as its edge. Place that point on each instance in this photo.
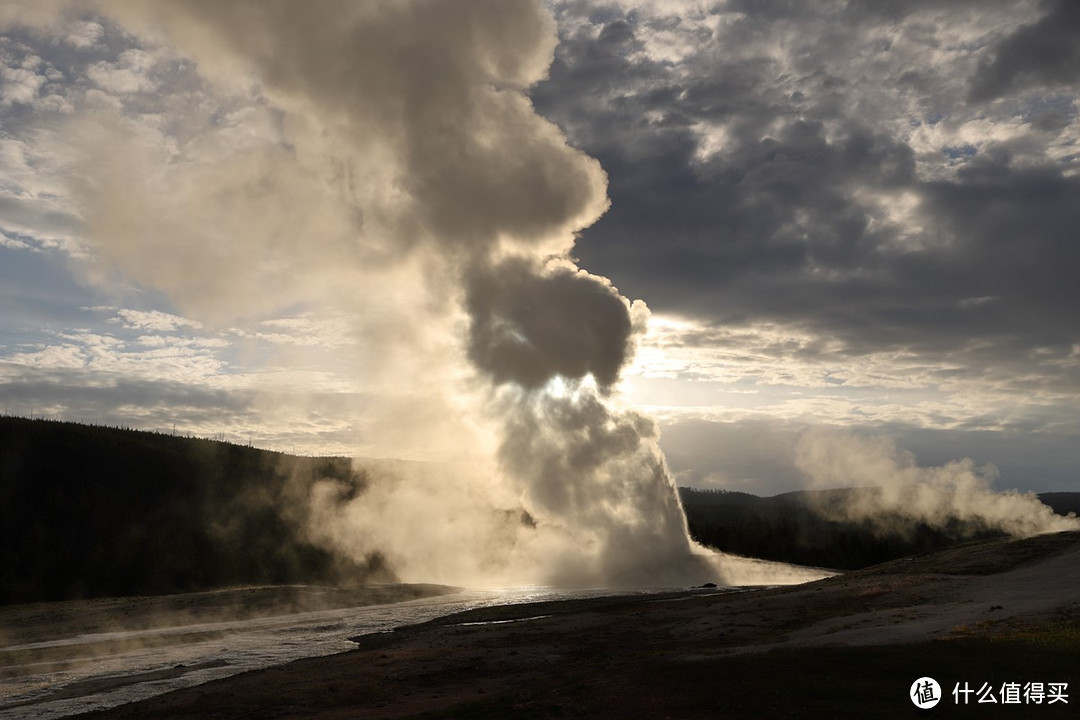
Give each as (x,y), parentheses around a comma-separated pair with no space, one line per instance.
(853,216)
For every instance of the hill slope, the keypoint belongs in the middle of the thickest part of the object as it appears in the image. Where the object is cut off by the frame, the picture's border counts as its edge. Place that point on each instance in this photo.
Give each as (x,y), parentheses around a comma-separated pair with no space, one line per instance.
(90,511)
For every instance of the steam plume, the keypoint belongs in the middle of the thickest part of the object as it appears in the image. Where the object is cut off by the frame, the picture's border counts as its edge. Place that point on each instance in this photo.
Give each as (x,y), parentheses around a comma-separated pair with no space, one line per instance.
(892,484)
(393,168)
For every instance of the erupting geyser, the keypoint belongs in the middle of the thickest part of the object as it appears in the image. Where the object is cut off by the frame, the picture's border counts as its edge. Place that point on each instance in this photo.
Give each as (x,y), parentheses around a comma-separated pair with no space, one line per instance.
(553,338)
(383,160)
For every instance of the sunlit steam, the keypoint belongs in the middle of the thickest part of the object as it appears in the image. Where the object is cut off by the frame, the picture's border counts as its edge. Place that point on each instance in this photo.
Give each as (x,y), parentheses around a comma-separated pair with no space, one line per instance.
(893,486)
(382,160)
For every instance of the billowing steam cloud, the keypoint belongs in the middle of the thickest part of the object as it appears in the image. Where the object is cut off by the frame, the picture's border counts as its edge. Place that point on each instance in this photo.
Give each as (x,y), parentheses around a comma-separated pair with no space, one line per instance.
(533,323)
(393,168)
(556,338)
(892,485)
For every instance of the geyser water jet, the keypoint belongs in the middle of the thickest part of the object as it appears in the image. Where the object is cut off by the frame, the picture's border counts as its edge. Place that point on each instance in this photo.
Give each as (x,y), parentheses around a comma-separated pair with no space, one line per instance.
(382,162)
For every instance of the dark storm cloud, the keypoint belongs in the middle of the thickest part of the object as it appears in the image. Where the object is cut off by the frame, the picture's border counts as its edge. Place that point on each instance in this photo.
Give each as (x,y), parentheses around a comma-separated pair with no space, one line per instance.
(1016,232)
(1044,53)
(787,219)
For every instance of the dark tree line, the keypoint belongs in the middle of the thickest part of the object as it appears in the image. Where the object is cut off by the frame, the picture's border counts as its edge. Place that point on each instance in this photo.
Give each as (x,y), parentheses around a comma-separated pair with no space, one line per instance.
(90,511)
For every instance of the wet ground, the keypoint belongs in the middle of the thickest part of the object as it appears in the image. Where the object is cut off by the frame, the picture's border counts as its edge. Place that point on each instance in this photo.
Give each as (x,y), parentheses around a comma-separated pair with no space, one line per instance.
(57,659)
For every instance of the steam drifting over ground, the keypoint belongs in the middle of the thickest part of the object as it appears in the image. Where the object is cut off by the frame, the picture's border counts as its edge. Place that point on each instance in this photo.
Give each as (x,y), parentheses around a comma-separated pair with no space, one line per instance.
(892,485)
(393,170)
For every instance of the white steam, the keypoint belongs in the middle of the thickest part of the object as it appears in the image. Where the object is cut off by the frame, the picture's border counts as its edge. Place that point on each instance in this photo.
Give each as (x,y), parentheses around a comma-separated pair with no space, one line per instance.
(382,160)
(892,484)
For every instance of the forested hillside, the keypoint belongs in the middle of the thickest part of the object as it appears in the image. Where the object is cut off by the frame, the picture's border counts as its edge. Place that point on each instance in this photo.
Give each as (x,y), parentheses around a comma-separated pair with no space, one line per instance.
(91,511)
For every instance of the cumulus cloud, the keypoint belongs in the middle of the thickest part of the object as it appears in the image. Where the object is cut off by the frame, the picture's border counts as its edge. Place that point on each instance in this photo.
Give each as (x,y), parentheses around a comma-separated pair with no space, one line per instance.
(130,74)
(20,85)
(83,34)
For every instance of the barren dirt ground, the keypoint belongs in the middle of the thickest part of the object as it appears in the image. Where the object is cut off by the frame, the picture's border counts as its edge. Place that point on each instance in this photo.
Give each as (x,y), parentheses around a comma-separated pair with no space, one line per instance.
(991,612)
